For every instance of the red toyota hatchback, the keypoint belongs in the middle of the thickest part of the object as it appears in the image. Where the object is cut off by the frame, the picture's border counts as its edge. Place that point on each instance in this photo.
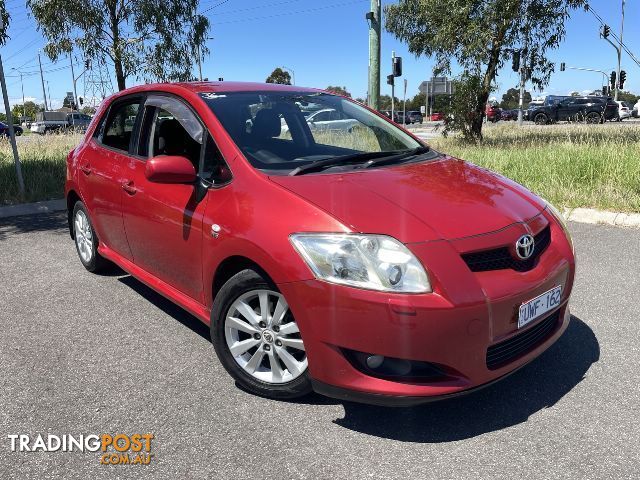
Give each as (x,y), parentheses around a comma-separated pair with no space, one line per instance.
(340,255)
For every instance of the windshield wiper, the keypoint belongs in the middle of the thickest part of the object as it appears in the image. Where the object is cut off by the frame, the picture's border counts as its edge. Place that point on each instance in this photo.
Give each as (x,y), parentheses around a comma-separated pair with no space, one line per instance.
(371,159)
(396,158)
(319,165)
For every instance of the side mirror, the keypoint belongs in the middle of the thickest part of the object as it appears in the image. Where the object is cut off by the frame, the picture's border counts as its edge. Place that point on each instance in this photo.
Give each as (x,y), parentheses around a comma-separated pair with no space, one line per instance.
(170,169)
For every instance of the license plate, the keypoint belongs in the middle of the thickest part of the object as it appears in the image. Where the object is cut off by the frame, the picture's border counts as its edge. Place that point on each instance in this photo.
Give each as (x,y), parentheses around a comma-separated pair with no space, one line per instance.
(540,305)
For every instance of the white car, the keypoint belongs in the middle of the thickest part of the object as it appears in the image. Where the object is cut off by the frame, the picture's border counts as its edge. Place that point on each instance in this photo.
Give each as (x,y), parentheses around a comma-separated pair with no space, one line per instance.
(636,110)
(623,110)
(329,119)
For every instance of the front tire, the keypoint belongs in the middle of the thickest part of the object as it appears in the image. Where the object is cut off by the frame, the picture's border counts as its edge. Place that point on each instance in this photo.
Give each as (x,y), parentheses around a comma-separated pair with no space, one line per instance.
(86,240)
(541,119)
(257,339)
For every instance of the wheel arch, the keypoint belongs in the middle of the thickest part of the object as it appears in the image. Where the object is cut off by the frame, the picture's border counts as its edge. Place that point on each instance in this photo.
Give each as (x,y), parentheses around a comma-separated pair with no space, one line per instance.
(232,265)
(72,199)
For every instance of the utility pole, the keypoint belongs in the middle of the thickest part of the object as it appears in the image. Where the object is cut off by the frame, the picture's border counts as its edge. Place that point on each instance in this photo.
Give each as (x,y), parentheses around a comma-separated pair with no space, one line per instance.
(523,71)
(75,94)
(44,93)
(620,52)
(393,90)
(404,108)
(24,109)
(374,17)
(12,133)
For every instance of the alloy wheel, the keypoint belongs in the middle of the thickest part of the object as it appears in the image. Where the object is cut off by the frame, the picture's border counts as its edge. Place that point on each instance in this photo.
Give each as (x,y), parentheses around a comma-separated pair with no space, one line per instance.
(83,236)
(263,337)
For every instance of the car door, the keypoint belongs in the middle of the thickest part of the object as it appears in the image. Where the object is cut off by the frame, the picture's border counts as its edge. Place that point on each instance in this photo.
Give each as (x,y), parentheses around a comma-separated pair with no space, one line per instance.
(164,222)
(103,163)
(565,109)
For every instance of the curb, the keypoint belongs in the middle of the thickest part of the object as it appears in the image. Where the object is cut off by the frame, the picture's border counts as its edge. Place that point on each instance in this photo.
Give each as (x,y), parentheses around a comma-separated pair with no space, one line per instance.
(33,208)
(602,217)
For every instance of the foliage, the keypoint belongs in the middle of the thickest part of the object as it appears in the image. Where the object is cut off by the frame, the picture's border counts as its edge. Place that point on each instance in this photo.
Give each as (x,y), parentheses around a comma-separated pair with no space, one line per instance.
(628,97)
(279,76)
(29,110)
(479,35)
(338,91)
(4,22)
(145,39)
(511,99)
(3,117)
(461,114)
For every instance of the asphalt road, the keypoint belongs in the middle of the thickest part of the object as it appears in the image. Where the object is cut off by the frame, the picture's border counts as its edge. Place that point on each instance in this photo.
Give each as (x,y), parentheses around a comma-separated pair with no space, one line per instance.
(81,353)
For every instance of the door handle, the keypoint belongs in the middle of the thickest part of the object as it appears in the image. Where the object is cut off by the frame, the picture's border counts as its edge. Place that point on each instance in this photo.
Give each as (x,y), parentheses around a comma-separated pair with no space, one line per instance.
(85,169)
(129,188)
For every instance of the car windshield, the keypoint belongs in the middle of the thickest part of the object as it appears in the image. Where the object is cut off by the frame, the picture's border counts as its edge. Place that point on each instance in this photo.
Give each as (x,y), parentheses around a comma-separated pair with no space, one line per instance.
(281,132)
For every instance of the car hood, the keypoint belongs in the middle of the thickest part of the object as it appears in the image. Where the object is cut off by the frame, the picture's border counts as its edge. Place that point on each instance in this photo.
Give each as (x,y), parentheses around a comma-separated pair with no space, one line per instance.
(444,198)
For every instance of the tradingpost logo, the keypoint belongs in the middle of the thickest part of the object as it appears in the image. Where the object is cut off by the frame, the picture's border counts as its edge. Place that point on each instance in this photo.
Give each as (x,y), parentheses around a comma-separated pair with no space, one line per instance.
(116,449)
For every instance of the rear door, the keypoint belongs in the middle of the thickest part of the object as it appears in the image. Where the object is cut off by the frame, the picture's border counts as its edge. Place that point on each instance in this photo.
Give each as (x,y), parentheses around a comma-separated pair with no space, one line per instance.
(103,164)
(164,222)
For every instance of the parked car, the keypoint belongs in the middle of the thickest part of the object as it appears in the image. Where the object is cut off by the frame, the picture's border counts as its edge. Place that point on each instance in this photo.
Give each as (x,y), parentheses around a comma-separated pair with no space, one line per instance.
(414,116)
(587,109)
(624,110)
(4,129)
(493,113)
(378,271)
(50,121)
(437,117)
(330,119)
(509,115)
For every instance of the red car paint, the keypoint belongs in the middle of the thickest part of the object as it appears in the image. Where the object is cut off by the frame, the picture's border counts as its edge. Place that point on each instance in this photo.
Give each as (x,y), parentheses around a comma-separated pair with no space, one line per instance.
(161,234)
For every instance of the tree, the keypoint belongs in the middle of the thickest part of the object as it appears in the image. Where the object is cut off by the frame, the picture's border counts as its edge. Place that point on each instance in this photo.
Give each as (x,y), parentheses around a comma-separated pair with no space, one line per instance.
(29,110)
(146,39)
(480,35)
(339,91)
(511,99)
(66,102)
(628,97)
(279,76)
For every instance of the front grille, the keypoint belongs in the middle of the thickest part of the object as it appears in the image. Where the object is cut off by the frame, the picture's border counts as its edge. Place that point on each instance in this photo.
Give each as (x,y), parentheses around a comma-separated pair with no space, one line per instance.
(504,352)
(500,258)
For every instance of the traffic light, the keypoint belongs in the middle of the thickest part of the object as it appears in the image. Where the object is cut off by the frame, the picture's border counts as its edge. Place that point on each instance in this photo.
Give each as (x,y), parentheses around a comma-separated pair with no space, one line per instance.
(80,100)
(396,66)
(563,67)
(606,91)
(613,80)
(390,79)
(87,64)
(623,78)
(606,30)
(515,61)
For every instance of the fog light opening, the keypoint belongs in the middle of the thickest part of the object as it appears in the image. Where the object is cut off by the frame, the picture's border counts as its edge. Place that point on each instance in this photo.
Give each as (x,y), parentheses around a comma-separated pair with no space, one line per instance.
(374,361)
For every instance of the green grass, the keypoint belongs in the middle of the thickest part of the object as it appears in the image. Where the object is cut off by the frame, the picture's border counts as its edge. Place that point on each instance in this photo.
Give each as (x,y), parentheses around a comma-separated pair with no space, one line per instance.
(570,165)
(43,167)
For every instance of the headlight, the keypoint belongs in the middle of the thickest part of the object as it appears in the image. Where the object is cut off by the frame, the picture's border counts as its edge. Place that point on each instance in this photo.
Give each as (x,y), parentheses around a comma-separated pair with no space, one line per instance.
(375,262)
(558,216)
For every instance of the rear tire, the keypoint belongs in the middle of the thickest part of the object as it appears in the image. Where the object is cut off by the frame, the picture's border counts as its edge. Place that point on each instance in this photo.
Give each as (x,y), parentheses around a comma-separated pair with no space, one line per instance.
(86,240)
(594,117)
(249,310)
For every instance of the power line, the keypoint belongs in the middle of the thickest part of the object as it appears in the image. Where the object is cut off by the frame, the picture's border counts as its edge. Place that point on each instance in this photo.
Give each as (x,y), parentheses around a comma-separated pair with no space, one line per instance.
(612,33)
(214,6)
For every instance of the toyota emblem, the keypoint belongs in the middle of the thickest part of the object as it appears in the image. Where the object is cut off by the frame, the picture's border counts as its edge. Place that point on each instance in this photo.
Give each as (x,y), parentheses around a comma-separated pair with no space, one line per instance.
(525,246)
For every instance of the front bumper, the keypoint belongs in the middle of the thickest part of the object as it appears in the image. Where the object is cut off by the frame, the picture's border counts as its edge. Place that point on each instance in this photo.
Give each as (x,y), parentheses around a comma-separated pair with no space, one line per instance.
(450,328)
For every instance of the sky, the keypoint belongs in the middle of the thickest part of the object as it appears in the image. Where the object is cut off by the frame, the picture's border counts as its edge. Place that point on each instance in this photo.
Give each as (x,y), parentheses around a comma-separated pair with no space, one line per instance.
(323,43)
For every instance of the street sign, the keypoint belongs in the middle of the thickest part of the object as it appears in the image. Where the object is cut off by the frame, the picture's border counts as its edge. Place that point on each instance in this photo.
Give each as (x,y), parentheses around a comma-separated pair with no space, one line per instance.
(437,86)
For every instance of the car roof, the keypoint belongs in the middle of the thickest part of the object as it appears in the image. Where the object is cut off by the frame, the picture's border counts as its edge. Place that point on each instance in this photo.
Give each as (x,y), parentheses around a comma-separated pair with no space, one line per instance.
(219,87)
